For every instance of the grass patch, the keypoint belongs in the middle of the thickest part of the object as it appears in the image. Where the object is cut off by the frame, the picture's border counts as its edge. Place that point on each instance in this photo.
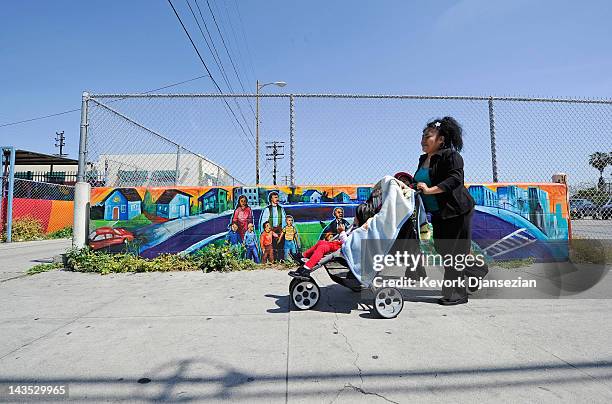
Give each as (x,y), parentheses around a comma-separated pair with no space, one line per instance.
(513,264)
(45,267)
(585,251)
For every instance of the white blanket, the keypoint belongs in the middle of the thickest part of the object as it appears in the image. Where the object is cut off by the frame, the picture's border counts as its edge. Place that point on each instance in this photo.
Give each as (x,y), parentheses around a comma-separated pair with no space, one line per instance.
(383,228)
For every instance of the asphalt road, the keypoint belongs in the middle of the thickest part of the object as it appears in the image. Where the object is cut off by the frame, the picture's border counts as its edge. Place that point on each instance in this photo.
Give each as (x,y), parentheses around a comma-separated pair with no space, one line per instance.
(592,229)
(230,337)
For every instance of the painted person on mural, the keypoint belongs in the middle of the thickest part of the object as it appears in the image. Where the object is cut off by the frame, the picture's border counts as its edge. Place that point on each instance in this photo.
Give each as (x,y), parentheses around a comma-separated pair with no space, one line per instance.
(291,237)
(274,214)
(440,178)
(339,220)
(250,244)
(243,215)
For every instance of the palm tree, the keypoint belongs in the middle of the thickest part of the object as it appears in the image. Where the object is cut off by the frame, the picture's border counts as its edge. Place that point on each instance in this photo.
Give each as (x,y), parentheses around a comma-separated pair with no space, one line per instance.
(600,161)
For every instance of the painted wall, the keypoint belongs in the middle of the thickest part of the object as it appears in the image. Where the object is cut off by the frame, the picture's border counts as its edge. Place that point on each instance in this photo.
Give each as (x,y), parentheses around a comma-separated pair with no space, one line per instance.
(514,212)
(53,215)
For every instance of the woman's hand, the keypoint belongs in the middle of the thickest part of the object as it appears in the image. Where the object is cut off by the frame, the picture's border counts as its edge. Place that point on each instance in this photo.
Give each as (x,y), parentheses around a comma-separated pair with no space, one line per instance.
(423,188)
(428,190)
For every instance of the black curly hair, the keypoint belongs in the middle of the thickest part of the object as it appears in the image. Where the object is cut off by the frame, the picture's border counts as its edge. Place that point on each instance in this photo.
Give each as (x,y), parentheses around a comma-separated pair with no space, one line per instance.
(450,129)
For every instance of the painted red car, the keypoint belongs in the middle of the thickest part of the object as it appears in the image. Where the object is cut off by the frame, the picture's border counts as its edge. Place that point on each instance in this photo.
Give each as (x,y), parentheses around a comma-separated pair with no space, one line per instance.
(107,237)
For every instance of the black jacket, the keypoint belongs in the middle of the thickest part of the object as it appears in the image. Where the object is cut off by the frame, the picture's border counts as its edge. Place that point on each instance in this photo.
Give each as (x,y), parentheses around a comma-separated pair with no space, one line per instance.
(447,173)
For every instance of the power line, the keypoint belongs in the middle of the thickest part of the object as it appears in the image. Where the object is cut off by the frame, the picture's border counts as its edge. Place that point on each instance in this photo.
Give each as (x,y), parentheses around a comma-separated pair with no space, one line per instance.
(229,20)
(227,51)
(78,109)
(208,70)
(218,62)
(246,42)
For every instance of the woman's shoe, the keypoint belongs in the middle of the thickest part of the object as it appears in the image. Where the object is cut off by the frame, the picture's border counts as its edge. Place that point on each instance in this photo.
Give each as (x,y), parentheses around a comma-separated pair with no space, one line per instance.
(447,302)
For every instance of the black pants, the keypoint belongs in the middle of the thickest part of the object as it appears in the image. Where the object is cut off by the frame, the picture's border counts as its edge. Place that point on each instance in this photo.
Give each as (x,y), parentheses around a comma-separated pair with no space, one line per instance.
(453,237)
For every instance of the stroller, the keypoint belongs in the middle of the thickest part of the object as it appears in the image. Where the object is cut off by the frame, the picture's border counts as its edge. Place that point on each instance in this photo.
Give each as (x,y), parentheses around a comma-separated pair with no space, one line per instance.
(344,265)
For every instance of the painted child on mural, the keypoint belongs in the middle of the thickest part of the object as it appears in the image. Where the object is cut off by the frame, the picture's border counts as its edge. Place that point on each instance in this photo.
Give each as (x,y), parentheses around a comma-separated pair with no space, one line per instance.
(232,236)
(290,236)
(266,240)
(274,214)
(243,215)
(250,244)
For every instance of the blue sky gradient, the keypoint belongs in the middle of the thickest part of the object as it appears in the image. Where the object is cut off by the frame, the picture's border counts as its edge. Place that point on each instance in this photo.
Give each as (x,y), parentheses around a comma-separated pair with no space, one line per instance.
(52,51)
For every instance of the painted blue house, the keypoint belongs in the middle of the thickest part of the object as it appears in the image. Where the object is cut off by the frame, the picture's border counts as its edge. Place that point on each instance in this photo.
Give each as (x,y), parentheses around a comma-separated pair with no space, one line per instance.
(122,204)
(311,196)
(342,197)
(484,196)
(363,193)
(173,204)
(213,201)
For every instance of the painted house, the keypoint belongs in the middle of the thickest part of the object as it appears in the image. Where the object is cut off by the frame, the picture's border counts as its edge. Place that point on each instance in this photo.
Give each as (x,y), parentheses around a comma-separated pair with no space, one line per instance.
(213,201)
(251,194)
(342,197)
(173,204)
(514,199)
(122,204)
(363,193)
(484,196)
(311,196)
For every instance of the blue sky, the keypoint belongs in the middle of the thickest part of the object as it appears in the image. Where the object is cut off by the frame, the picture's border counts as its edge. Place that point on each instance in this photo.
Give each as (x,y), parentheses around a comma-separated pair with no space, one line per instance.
(52,51)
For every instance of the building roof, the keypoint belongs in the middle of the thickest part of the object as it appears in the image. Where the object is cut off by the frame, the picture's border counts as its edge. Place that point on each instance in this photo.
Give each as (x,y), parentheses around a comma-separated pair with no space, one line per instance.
(26,157)
(169,194)
(130,194)
(212,191)
(309,192)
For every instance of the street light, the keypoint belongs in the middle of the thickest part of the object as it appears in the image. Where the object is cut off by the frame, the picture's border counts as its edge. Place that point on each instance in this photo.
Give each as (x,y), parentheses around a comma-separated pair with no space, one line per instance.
(259,87)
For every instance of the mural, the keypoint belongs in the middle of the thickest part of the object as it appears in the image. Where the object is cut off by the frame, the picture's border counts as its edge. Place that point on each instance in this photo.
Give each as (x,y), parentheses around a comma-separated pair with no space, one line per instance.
(266,223)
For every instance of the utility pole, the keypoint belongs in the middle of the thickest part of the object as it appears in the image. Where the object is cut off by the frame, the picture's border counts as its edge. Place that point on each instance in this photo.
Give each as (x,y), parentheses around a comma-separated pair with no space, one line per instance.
(276,154)
(60,141)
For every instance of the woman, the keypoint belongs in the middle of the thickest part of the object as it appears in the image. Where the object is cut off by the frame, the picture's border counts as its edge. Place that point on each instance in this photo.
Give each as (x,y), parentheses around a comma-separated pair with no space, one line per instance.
(243,215)
(440,178)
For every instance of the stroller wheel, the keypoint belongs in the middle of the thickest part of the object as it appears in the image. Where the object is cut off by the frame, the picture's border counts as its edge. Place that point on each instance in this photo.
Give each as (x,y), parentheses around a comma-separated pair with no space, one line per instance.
(305,294)
(388,302)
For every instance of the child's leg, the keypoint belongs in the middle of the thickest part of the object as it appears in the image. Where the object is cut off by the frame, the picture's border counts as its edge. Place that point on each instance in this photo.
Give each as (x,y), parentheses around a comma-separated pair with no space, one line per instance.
(320,251)
(312,249)
(290,246)
(255,254)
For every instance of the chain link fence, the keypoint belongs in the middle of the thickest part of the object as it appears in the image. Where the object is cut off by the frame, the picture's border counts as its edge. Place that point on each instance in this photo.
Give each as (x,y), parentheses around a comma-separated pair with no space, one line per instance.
(39,210)
(153,139)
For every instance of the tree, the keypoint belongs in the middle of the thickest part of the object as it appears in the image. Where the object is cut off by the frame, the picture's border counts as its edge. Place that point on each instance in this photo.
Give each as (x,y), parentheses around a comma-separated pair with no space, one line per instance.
(148,204)
(600,161)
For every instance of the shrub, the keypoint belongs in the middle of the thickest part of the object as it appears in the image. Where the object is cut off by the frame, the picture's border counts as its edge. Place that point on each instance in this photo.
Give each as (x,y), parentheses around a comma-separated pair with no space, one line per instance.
(66,232)
(36,269)
(27,228)
(212,258)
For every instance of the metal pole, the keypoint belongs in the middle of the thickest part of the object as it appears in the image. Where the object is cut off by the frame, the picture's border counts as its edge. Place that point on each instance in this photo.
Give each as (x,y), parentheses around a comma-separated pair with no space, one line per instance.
(83,139)
(492,132)
(178,158)
(11,189)
(257,135)
(292,140)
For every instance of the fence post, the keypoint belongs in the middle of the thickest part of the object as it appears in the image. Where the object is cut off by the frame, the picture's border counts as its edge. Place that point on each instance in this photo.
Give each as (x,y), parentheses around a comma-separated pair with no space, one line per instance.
(10,192)
(178,158)
(82,189)
(492,132)
(292,140)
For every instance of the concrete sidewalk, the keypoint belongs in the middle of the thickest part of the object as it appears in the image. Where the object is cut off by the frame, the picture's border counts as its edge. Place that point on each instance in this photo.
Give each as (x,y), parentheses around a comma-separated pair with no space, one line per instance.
(18,257)
(230,337)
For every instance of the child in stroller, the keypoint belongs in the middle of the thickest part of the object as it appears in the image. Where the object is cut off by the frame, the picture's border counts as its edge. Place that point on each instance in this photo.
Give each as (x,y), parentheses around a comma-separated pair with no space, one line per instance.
(388,214)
